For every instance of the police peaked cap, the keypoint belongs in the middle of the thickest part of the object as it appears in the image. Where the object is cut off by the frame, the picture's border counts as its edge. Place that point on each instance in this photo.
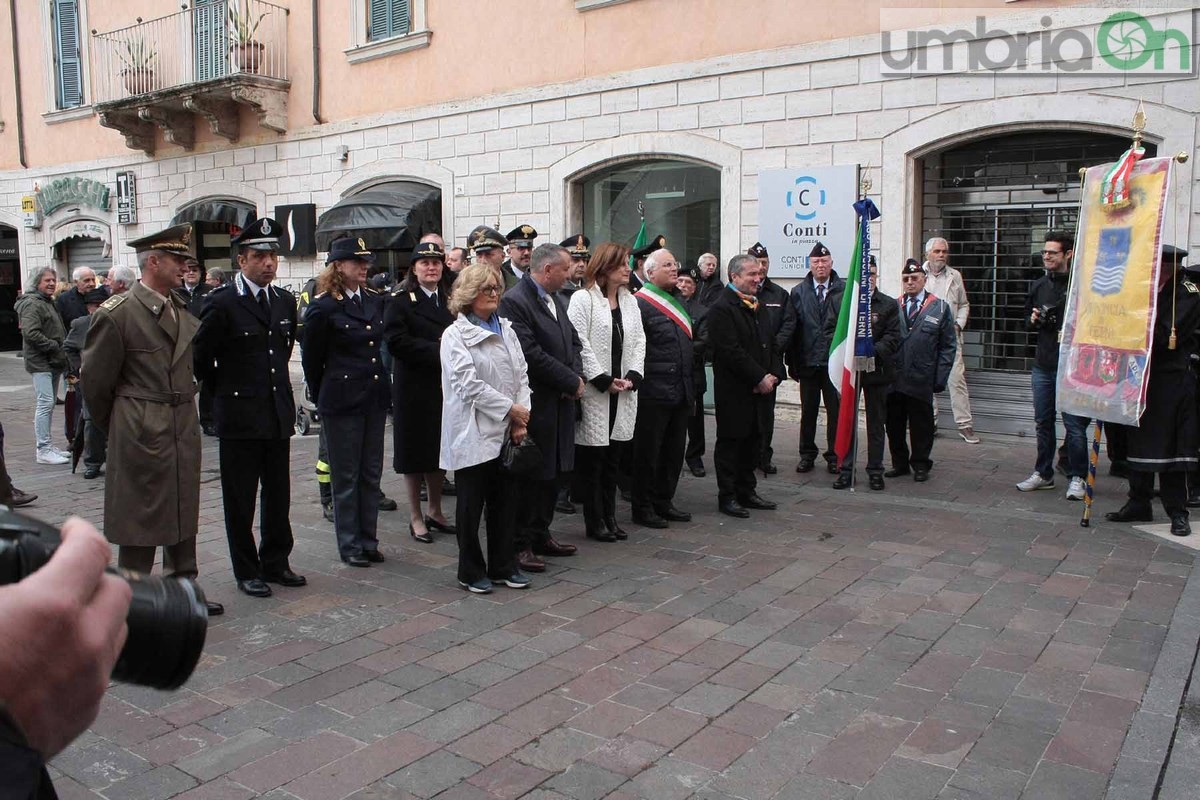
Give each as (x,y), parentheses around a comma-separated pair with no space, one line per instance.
(429,250)
(657,243)
(757,250)
(522,236)
(817,251)
(1172,254)
(262,234)
(579,246)
(348,249)
(485,238)
(176,239)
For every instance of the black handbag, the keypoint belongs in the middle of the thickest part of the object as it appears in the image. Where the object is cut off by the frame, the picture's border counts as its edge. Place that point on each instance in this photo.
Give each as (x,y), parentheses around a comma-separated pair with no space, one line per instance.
(520,459)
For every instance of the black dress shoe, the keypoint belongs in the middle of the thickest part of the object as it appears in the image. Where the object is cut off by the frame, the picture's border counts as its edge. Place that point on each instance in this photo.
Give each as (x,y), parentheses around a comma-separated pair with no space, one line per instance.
(386,503)
(920,475)
(285,578)
(424,538)
(553,548)
(356,561)
(876,482)
(209,430)
(214,609)
(433,525)
(91,473)
(648,519)
(805,465)
(768,468)
(374,556)
(611,525)
(1180,525)
(831,468)
(528,562)
(897,472)
(673,514)
(564,506)
(756,502)
(697,468)
(254,587)
(1131,512)
(600,534)
(732,508)
(20,498)
(327,511)
(843,481)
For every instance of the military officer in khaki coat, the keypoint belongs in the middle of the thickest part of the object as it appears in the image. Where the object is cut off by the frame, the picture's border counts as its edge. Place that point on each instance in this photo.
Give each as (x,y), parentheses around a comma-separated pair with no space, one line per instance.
(139,388)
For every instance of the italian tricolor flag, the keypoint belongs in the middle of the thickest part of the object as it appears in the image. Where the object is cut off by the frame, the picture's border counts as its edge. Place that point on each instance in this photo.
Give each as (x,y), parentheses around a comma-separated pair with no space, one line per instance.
(852,349)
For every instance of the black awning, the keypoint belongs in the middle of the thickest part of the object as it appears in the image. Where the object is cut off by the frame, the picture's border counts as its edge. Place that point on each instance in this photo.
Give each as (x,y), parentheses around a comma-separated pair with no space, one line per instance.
(238,214)
(386,219)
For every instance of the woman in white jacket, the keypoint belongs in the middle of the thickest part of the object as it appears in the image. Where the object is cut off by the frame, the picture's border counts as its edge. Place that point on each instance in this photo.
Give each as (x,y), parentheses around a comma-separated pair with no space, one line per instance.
(609,324)
(485,387)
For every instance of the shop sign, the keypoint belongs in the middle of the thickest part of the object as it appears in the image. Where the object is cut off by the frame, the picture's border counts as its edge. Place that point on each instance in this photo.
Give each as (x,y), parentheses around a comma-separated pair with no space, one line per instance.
(798,208)
(85,229)
(126,198)
(30,216)
(66,191)
(8,248)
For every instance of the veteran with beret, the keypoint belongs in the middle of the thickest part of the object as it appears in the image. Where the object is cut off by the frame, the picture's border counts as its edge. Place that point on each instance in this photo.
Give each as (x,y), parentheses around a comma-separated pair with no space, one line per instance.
(139,386)
(247,332)
(342,362)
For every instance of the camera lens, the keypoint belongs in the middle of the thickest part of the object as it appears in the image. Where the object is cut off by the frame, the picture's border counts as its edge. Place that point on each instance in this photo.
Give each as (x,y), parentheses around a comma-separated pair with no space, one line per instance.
(167,624)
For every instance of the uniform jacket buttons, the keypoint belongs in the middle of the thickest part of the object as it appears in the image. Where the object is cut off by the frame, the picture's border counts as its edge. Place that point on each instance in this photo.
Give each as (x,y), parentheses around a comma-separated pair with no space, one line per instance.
(370,344)
(372,361)
(368,327)
(235,394)
(376,377)
(270,352)
(345,377)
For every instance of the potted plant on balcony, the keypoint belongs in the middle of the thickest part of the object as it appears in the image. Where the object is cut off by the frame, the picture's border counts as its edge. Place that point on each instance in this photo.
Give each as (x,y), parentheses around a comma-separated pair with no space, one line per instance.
(243,24)
(139,59)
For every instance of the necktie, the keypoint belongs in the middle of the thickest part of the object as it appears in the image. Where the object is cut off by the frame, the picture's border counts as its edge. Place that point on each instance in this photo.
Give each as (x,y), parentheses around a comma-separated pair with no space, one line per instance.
(912,308)
(262,302)
(550,305)
(435,300)
(357,300)
(821,293)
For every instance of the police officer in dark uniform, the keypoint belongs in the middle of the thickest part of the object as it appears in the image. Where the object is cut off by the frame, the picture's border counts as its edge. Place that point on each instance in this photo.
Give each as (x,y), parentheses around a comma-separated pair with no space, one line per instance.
(487,247)
(343,328)
(638,276)
(520,249)
(579,246)
(247,331)
(1166,440)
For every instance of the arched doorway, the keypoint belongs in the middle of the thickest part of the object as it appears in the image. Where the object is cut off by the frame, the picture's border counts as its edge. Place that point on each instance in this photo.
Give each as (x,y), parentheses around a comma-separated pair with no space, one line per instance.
(390,216)
(10,287)
(993,199)
(680,199)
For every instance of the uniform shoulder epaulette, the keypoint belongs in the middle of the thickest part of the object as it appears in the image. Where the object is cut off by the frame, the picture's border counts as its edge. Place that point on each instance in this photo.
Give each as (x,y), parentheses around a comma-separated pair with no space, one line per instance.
(372,291)
(1191,287)
(397,292)
(220,288)
(319,295)
(113,302)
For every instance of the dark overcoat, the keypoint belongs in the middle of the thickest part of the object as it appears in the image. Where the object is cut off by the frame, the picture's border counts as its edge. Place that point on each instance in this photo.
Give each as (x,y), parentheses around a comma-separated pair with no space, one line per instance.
(667,377)
(808,351)
(341,354)
(196,298)
(773,299)
(741,342)
(242,353)
(413,324)
(553,353)
(139,386)
(926,351)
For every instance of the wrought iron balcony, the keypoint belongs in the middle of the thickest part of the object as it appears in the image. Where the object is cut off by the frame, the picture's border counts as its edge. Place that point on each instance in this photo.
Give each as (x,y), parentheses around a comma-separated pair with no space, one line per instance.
(206,61)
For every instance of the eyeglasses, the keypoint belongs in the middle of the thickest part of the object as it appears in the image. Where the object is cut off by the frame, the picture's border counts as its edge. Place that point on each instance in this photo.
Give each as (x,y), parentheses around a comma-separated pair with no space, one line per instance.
(490,290)
(1052,252)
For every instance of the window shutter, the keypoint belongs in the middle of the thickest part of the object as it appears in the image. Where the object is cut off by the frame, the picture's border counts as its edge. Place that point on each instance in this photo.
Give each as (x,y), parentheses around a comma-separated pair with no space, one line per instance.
(400,22)
(387,18)
(68,65)
(210,39)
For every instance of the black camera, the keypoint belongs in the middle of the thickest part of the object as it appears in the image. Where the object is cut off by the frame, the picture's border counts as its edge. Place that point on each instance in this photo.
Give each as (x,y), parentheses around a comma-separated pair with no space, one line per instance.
(167,619)
(1049,316)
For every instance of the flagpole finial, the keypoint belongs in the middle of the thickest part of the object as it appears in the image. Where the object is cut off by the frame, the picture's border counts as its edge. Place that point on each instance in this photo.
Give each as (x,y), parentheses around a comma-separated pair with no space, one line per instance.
(1139,123)
(641,210)
(864,182)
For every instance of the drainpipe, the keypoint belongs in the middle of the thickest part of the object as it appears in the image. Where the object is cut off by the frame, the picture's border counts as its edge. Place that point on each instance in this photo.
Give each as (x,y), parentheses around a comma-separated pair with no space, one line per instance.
(12,15)
(316,62)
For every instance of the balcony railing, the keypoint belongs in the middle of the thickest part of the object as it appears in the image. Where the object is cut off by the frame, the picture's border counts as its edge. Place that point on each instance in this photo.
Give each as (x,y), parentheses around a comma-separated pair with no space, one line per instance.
(211,41)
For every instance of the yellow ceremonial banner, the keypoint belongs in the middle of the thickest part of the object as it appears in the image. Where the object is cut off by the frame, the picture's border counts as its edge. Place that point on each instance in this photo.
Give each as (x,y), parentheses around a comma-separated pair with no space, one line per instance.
(1108,322)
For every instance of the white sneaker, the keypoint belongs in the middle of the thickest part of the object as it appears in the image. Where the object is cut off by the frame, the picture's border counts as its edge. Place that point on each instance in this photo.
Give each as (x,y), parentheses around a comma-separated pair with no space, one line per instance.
(60,451)
(49,456)
(1035,482)
(1077,490)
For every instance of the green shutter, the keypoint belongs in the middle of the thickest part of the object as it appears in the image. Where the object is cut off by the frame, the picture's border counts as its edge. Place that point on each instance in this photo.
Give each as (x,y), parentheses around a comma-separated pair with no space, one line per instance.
(387,18)
(68,66)
(210,39)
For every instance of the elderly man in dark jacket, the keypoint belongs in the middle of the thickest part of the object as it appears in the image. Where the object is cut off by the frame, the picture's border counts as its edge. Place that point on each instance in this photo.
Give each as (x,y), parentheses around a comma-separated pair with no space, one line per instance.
(885,332)
(774,301)
(553,353)
(95,442)
(665,397)
(923,365)
(740,332)
(817,299)
(42,334)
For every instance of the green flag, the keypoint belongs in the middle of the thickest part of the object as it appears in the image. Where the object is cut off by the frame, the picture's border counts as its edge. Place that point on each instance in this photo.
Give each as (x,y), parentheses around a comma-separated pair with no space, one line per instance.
(640,241)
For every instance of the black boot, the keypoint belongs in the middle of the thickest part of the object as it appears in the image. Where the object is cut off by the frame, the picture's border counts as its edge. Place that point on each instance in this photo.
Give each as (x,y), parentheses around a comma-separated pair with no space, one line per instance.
(610,524)
(1132,511)
(1180,525)
(595,529)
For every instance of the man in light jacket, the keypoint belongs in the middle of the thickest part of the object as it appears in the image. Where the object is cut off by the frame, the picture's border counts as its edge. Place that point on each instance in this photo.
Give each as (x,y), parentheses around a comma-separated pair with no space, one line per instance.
(947,283)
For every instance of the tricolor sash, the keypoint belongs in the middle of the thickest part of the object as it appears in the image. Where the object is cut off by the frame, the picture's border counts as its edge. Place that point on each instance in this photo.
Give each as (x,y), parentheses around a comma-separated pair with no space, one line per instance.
(667,304)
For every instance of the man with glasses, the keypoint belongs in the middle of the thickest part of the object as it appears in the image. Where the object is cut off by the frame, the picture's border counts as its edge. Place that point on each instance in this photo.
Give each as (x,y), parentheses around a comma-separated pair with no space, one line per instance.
(774,300)
(923,365)
(1043,311)
(947,283)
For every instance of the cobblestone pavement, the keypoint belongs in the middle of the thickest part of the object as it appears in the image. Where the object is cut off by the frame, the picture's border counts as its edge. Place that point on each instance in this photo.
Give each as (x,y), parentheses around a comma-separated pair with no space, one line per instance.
(954,639)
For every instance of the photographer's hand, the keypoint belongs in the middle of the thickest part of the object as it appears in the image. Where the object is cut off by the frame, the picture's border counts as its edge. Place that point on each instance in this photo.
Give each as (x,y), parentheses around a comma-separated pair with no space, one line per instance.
(63,629)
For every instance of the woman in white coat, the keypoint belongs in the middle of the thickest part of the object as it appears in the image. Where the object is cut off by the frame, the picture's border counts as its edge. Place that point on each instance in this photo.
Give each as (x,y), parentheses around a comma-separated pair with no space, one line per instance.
(609,324)
(485,386)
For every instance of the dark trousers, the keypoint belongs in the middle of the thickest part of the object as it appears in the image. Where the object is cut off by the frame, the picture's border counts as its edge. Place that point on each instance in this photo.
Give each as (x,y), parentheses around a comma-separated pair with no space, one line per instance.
(695,434)
(355,467)
(535,511)
(874,400)
(323,481)
(1117,437)
(814,391)
(95,444)
(245,465)
(206,404)
(1172,490)
(658,443)
(596,482)
(735,459)
(6,487)
(179,560)
(480,487)
(909,415)
(766,428)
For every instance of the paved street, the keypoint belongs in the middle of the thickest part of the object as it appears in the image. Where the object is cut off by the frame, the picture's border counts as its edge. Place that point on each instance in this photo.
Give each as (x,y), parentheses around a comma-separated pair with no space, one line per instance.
(954,639)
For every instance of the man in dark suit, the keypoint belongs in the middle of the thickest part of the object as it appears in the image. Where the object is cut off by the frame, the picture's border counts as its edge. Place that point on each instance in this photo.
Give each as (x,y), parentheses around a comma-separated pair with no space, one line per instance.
(247,331)
(740,335)
(194,293)
(885,332)
(553,353)
(774,300)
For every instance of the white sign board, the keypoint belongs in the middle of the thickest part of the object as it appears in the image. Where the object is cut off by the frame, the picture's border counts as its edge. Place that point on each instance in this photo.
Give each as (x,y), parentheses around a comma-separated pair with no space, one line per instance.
(799,207)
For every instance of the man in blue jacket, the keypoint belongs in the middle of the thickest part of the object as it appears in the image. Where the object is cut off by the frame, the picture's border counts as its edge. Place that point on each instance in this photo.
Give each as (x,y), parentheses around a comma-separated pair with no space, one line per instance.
(923,365)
